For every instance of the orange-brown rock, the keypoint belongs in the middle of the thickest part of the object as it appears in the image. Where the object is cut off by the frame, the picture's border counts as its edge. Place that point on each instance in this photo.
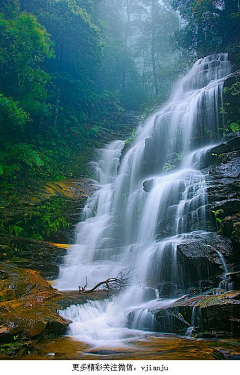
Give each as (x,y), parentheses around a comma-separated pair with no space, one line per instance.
(27,305)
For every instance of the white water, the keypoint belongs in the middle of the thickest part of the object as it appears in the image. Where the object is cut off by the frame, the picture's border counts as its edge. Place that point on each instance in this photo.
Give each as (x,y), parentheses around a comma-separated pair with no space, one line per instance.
(190,330)
(141,212)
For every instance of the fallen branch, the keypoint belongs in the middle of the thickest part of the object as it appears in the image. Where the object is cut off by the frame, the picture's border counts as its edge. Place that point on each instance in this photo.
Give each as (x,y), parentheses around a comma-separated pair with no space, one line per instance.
(113,283)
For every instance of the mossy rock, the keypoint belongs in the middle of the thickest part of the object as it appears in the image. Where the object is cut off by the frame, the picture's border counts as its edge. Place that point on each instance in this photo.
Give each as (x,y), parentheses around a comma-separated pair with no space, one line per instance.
(32,254)
(48,212)
(214,315)
(20,282)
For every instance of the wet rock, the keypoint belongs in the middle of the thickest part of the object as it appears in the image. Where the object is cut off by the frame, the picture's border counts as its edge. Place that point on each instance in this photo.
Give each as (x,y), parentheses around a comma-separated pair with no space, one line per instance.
(33,254)
(221,244)
(236,238)
(202,263)
(211,315)
(224,183)
(235,278)
(230,227)
(30,309)
(223,148)
(223,152)
(230,136)
(229,206)
(231,143)
(206,249)
(234,143)
(198,262)
(195,249)
(69,298)
(147,185)
(223,190)
(228,166)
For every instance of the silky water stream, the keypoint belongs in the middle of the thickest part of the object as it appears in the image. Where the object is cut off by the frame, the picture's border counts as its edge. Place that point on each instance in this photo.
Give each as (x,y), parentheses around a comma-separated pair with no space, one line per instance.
(148,201)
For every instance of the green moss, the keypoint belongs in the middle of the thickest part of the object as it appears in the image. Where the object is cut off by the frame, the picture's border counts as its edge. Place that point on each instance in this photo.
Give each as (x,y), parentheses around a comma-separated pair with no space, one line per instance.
(37,221)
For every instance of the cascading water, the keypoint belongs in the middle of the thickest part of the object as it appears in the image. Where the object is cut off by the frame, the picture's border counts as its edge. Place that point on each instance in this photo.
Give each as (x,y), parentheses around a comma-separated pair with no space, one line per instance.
(147,204)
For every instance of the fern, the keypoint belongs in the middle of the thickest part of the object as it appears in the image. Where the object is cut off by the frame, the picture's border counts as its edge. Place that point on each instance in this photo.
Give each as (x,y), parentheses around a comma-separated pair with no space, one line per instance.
(16,158)
(234,127)
(15,230)
(25,153)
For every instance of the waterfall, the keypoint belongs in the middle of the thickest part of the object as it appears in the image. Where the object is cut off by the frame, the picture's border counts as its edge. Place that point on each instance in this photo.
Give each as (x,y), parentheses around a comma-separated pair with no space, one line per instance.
(148,201)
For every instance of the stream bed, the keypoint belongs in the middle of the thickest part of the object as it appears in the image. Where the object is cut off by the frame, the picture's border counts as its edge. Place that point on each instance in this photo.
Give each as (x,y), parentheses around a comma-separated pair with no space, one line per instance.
(151,347)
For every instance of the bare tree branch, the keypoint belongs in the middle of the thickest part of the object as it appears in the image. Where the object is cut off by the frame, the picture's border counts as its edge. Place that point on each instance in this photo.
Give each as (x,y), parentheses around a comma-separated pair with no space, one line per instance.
(113,283)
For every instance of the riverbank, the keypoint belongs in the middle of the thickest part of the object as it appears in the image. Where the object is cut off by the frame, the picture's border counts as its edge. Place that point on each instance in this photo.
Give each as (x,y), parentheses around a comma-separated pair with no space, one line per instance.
(66,198)
(38,221)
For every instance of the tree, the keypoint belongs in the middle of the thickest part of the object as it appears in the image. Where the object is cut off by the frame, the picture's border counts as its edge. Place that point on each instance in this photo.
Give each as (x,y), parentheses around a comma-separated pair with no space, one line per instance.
(78,50)
(24,46)
(155,24)
(210,26)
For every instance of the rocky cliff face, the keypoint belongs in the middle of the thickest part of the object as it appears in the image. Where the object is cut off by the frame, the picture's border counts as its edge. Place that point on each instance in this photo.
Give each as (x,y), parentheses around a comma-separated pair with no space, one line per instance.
(207,311)
(224,189)
(211,265)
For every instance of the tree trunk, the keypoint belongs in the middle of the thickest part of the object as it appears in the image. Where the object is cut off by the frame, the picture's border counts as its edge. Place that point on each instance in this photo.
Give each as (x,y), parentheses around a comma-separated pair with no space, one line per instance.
(58,97)
(56,112)
(155,80)
(127,28)
(231,29)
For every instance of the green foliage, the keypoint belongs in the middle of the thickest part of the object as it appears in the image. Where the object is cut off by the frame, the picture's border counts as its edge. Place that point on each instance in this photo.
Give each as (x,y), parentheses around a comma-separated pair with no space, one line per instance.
(218,217)
(234,127)
(131,138)
(11,349)
(234,89)
(18,158)
(231,111)
(15,230)
(168,167)
(39,221)
(50,105)
(210,26)
(26,154)
(69,69)
(24,45)
(173,162)
(11,114)
(178,157)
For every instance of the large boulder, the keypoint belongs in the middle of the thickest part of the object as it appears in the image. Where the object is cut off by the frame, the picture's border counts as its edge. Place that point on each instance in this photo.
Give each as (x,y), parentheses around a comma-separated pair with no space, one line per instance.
(200,261)
(28,305)
(203,262)
(202,316)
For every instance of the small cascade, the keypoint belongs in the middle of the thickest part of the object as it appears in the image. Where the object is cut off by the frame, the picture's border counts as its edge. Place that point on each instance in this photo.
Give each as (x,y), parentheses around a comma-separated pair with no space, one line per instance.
(146,203)
(190,330)
(226,282)
(144,320)
(222,261)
